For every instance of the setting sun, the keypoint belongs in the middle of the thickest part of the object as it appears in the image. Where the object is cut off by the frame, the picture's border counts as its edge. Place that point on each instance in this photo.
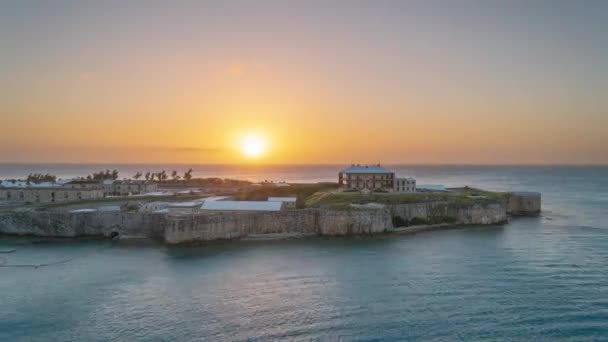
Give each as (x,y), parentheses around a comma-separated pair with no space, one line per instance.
(253,145)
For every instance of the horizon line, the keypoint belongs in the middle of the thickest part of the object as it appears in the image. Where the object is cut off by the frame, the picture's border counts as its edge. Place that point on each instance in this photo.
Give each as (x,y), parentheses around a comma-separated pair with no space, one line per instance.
(306,164)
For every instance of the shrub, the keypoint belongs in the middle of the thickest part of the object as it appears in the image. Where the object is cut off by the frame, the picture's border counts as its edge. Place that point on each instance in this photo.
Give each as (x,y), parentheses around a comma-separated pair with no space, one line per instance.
(399,221)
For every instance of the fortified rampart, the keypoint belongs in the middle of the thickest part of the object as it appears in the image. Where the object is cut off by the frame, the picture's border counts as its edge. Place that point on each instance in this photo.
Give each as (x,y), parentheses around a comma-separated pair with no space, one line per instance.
(236,225)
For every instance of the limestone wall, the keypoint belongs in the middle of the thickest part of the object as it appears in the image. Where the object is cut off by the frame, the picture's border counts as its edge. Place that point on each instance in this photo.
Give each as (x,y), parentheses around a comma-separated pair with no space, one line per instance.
(64,224)
(235,225)
(208,227)
(331,222)
(460,213)
(524,203)
(232,225)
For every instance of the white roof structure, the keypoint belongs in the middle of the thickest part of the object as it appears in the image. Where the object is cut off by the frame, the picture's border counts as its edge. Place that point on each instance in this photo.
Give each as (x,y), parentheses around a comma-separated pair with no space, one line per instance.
(366,169)
(83,211)
(282,199)
(184,205)
(215,198)
(242,205)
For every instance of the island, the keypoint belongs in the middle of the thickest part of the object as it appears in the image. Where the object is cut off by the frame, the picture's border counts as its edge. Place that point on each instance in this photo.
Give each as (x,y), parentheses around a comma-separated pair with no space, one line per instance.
(366,200)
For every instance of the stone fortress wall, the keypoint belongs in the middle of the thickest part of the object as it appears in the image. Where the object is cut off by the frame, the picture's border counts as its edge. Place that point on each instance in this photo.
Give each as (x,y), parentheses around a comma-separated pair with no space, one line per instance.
(237,225)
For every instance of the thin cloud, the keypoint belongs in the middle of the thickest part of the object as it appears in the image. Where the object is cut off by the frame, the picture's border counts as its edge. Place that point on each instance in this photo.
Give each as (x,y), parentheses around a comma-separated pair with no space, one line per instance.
(187,149)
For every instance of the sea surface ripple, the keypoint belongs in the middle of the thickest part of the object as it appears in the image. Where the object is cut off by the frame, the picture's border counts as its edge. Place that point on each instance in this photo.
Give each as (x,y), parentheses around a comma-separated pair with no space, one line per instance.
(533,279)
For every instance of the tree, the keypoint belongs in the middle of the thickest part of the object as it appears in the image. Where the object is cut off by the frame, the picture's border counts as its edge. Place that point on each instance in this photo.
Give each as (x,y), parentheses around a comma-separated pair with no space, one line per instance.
(188,175)
(39,178)
(174,175)
(162,176)
(152,174)
(137,175)
(147,176)
(103,175)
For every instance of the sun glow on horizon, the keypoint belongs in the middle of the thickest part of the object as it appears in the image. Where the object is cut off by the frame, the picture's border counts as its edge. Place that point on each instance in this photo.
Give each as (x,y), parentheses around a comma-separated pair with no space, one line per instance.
(253,145)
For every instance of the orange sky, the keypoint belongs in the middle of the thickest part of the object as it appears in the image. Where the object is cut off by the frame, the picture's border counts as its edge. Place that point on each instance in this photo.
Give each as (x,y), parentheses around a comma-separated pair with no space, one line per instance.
(321,83)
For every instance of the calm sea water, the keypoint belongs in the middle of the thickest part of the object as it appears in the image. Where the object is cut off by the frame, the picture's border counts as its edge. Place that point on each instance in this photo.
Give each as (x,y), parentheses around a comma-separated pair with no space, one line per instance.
(534,279)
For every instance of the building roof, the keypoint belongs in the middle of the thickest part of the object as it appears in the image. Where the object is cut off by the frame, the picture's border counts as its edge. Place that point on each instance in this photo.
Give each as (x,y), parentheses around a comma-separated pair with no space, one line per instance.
(83,211)
(282,199)
(367,169)
(24,184)
(407,178)
(215,198)
(242,205)
(184,205)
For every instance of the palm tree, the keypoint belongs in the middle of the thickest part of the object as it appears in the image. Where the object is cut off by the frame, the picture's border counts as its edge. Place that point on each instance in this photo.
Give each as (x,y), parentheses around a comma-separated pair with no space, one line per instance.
(162,176)
(188,174)
(137,175)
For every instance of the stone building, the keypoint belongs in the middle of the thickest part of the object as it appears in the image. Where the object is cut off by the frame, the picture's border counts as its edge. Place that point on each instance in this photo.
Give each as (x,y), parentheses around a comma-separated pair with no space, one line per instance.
(45,195)
(113,187)
(71,191)
(128,187)
(82,184)
(405,184)
(368,178)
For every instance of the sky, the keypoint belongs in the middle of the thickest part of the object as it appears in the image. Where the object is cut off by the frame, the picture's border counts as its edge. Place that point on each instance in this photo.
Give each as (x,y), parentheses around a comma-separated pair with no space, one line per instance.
(421,82)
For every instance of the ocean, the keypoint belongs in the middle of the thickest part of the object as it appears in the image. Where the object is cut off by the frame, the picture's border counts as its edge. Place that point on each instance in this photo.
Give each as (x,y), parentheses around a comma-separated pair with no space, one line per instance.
(533,279)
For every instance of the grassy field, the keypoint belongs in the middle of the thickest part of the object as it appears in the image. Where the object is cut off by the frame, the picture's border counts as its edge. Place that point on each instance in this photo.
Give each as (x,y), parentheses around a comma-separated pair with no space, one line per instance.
(301,191)
(318,195)
(343,200)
